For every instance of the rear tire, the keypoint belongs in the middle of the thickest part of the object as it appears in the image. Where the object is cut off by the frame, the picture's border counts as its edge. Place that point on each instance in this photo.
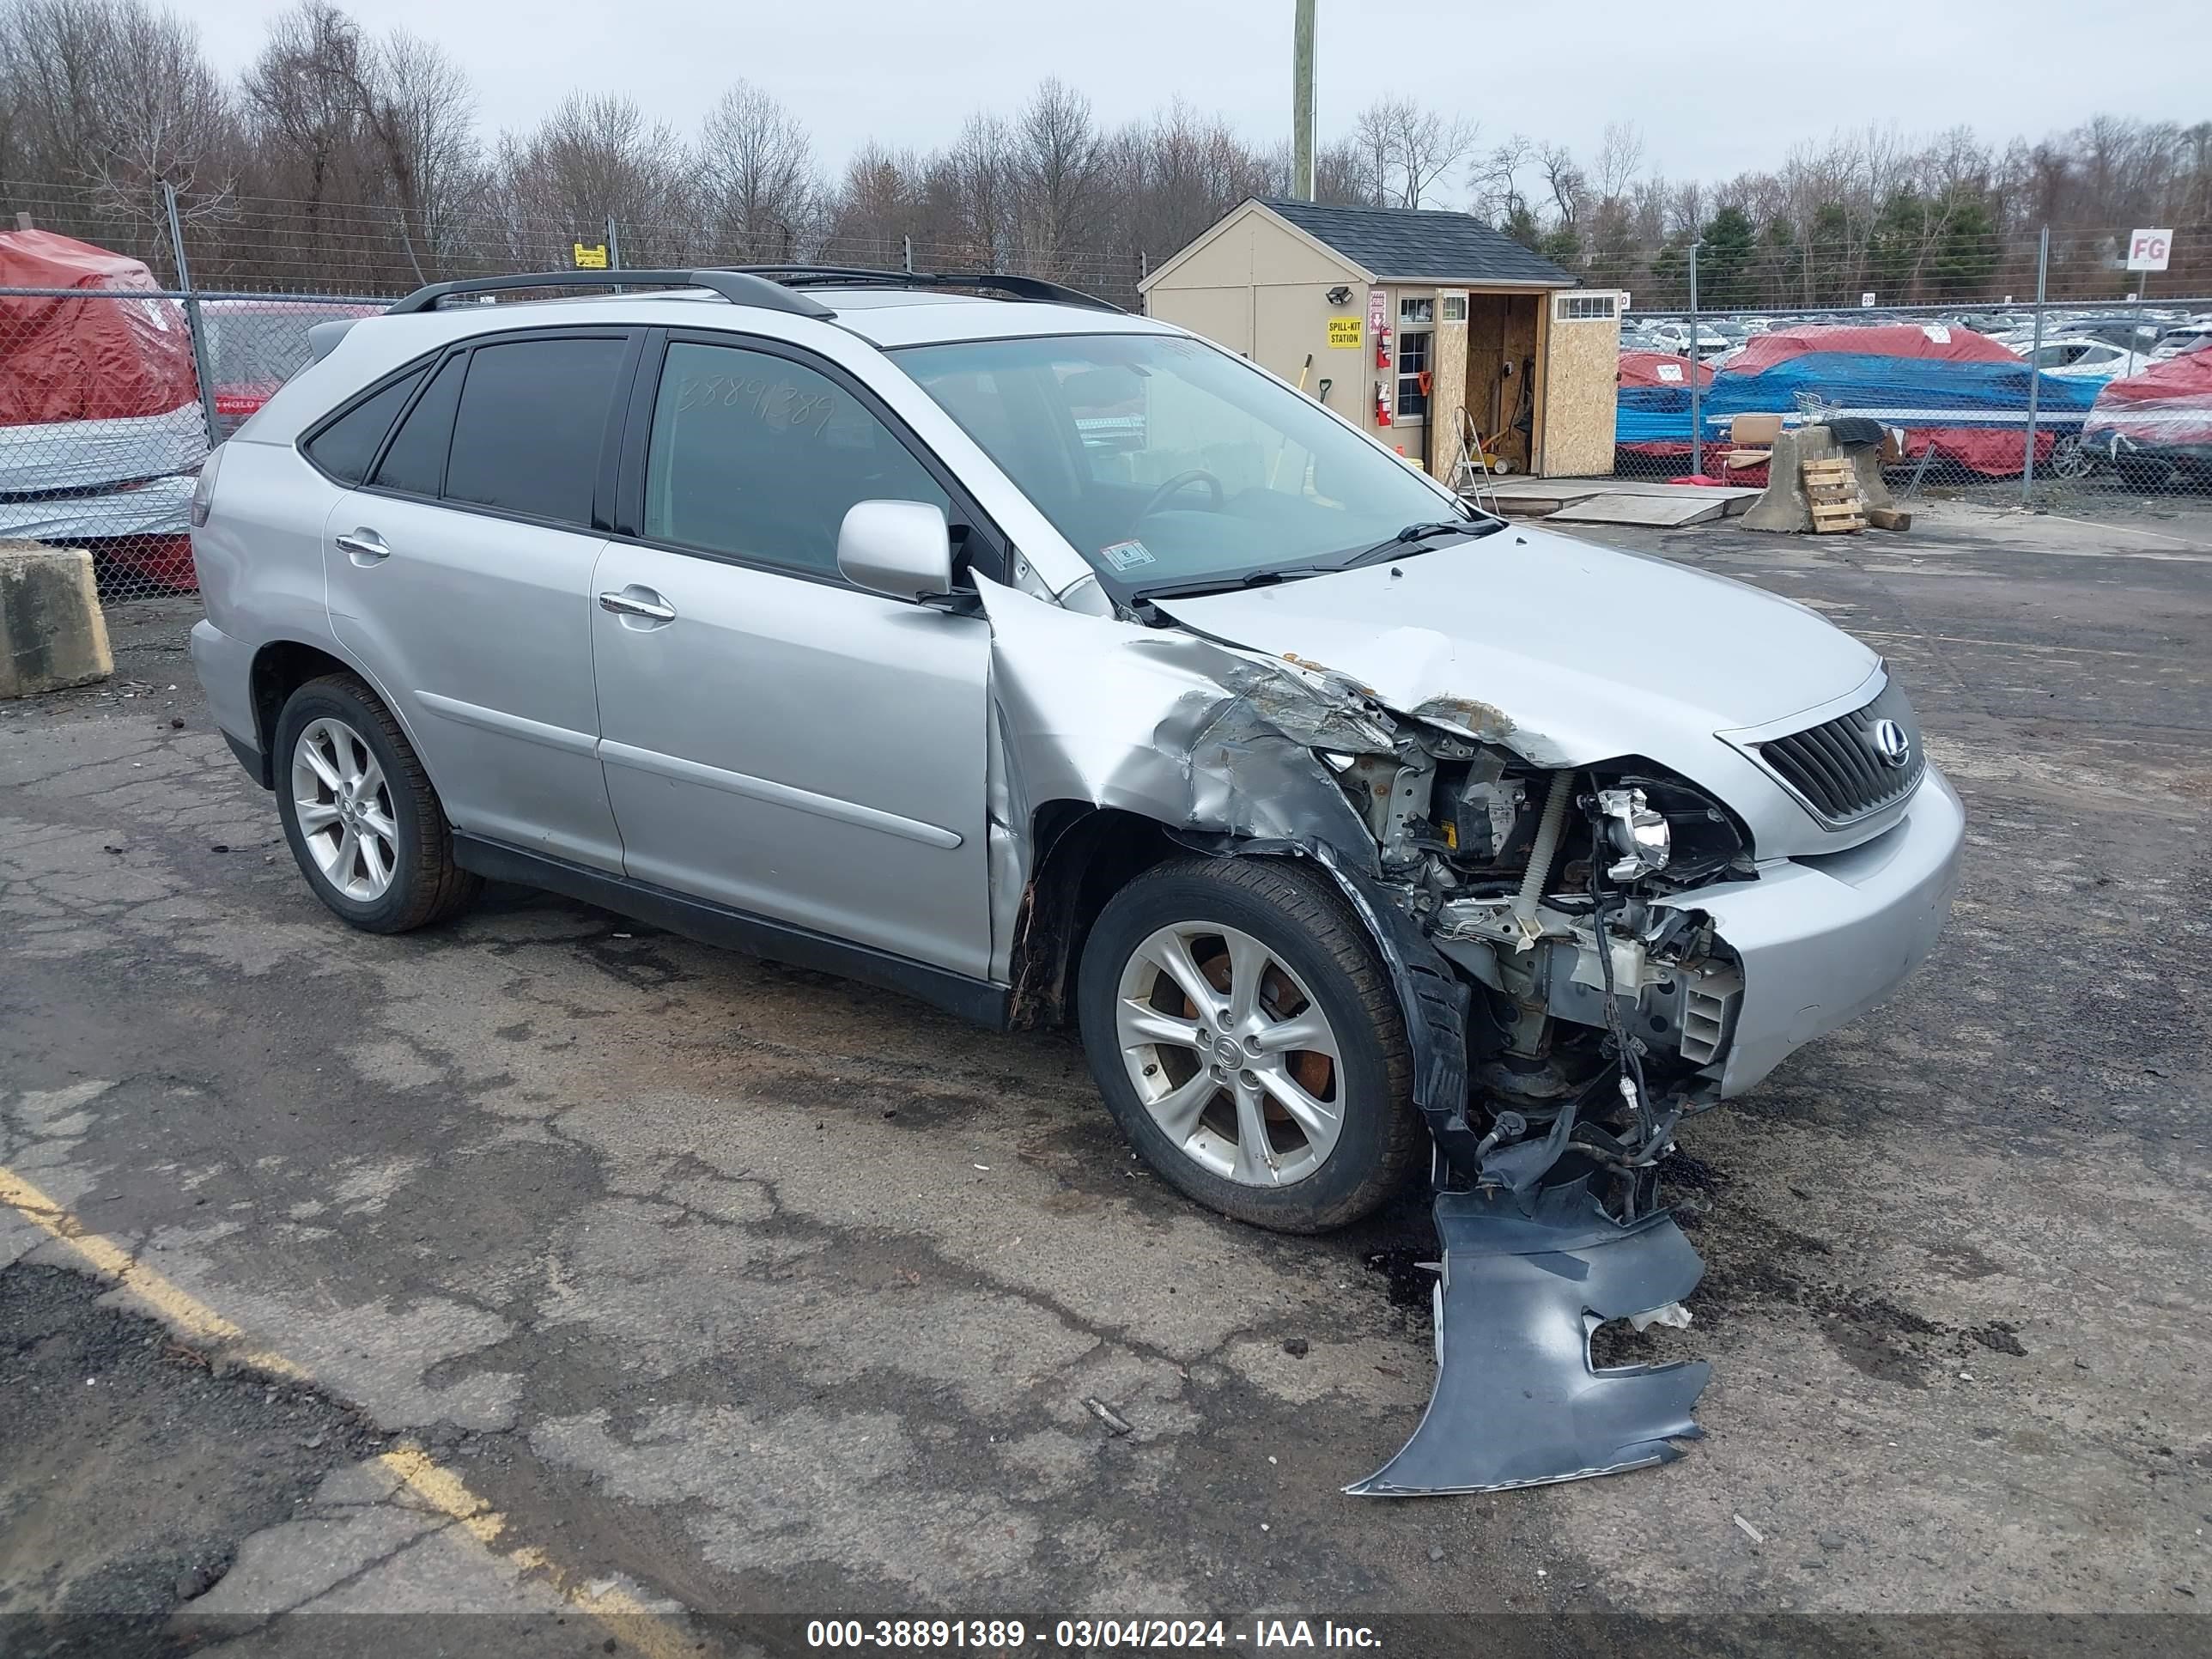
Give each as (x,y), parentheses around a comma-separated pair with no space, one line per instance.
(362,820)
(1286,1099)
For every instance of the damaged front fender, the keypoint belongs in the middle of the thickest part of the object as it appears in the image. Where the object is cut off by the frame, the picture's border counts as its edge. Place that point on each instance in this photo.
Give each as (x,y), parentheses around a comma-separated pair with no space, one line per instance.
(1219,748)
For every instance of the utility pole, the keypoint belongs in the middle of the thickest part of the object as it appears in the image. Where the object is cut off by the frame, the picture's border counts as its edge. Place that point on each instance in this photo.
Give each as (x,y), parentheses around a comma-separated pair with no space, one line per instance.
(1697,397)
(1302,103)
(2035,362)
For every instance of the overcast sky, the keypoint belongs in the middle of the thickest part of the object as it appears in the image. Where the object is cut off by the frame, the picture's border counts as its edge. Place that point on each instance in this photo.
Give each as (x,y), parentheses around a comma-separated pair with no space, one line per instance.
(1713,97)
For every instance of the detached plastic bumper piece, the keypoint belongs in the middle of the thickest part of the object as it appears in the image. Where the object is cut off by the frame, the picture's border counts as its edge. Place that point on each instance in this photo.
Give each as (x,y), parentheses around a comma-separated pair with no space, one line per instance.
(1517,1403)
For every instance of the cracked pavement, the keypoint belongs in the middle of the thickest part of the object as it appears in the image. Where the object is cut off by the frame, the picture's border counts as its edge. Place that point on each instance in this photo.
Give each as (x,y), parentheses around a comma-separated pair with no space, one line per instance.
(751,1290)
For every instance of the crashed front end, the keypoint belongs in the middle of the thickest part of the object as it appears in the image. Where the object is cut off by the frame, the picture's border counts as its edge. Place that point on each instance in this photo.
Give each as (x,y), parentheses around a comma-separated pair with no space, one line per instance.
(1588,946)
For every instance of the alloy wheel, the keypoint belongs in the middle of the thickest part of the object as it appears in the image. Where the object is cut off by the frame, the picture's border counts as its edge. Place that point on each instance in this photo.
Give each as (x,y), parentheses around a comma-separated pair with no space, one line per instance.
(343,805)
(1231,1054)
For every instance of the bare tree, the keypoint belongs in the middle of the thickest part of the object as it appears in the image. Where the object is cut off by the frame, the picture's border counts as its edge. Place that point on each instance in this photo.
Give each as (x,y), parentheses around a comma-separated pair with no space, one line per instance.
(1058,160)
(757,168)
(597,155)
(115,95)
(1493,181)
(342,156)
(1410,149)
(420,109)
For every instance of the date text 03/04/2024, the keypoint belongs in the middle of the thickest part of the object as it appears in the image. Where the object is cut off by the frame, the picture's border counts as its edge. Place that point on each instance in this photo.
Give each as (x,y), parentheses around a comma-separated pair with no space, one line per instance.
(1009,1635)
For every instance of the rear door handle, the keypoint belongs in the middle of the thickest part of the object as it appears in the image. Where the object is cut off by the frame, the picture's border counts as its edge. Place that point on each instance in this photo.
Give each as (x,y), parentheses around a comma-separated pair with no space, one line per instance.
(638,602)
(364,546)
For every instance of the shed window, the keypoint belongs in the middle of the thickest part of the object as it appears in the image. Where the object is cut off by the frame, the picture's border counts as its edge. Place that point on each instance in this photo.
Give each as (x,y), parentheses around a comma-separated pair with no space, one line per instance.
(1586,307)
(1417,312)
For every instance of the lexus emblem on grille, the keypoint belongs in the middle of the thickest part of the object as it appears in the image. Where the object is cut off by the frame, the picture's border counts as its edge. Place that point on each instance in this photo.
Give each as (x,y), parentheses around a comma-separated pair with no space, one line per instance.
(1891,743)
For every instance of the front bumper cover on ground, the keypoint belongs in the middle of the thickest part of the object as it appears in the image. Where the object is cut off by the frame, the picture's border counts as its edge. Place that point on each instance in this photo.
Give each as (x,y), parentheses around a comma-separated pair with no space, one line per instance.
(1517,1402)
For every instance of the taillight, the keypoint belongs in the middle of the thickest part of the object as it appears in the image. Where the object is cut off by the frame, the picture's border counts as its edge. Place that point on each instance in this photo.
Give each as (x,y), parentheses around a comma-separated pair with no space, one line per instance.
(203,491)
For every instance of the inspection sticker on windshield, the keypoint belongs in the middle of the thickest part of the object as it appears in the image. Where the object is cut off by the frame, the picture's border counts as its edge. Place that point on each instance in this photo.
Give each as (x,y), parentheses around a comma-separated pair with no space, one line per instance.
(1127,555)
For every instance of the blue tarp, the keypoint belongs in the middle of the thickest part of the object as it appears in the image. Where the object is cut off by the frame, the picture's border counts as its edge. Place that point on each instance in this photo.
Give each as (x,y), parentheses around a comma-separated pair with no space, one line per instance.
(1654,413)
(1903,392)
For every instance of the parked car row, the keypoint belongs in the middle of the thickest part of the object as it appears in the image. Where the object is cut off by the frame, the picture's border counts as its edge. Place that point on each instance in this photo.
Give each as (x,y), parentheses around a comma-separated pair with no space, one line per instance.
(1959,399)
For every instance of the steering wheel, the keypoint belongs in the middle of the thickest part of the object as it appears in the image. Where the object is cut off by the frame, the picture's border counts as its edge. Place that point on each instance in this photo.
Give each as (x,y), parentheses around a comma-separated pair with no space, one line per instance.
(1183,481)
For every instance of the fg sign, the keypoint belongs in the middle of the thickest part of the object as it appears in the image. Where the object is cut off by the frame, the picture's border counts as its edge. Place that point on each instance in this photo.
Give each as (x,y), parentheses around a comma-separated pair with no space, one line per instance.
(2148,249)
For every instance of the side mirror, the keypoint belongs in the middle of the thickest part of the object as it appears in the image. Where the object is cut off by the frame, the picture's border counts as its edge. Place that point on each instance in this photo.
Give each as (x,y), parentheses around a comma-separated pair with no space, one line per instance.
(901,549)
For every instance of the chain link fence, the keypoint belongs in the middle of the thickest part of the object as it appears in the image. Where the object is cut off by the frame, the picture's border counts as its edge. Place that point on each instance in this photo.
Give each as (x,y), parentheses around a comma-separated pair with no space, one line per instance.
(2092,406)
(110,399)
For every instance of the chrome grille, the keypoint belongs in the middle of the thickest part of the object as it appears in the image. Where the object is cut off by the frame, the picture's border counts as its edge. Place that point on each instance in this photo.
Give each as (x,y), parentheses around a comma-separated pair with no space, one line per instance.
(1838,770)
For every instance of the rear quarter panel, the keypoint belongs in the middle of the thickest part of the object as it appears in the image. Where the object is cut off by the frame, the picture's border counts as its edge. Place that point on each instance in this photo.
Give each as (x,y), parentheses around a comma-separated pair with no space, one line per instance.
(260,553)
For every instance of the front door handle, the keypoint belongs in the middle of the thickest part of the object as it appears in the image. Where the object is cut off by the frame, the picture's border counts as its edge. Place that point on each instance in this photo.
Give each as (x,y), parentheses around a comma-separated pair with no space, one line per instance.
(364,546)
(638,602)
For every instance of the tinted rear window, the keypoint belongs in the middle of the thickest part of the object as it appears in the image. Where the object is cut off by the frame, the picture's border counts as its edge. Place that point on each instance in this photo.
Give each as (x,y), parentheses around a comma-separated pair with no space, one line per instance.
(532,417)
(415,461)
(346,446)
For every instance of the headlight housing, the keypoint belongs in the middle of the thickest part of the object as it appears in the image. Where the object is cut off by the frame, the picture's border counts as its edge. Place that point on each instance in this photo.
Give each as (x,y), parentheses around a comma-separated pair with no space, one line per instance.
(1640,838)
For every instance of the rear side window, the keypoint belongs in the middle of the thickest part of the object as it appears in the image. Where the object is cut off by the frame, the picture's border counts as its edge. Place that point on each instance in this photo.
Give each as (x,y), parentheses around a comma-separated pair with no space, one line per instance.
(415,462)
(345,447)
(527,434)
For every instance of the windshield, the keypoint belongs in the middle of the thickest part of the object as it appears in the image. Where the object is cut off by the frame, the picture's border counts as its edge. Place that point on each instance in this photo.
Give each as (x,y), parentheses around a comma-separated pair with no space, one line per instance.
(1165,461)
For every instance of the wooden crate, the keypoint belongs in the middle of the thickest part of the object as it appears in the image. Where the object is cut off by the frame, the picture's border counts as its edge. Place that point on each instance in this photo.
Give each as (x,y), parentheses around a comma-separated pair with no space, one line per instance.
(1831,488)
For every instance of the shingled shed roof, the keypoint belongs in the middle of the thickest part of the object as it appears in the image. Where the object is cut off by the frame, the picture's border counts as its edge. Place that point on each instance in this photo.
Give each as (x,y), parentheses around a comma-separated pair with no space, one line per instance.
(1408,244)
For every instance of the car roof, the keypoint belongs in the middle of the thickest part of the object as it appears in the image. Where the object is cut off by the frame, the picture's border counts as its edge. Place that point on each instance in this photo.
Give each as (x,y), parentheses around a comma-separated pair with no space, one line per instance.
(886,317)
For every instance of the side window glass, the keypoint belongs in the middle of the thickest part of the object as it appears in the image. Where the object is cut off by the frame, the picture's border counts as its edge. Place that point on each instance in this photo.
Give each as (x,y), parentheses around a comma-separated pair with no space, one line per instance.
(416,461)
(758,456)
(345,447)
(527,434)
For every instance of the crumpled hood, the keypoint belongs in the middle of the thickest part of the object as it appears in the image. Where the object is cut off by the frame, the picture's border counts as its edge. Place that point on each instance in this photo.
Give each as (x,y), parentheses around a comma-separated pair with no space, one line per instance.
(1568,654)
(1564,651)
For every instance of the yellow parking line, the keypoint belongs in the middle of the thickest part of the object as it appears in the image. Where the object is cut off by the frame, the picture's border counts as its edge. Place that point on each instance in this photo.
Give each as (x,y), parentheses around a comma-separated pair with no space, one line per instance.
(625,1617)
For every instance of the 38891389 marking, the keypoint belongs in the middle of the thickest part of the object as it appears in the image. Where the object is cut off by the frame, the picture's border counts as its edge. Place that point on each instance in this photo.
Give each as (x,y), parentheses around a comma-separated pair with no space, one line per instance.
(973,1635)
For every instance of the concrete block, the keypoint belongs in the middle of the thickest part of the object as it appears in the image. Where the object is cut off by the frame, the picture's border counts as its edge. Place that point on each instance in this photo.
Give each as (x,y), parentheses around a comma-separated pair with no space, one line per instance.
(1783,505)
(53,631)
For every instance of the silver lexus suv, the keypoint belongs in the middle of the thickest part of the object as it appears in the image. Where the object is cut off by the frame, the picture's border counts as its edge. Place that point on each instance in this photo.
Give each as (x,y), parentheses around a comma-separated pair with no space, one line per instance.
(969,637)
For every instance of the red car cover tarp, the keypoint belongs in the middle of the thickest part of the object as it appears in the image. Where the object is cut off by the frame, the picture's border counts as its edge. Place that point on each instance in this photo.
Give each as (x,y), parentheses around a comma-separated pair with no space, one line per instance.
(1642,369)
(86,360)
(2167,406)
(1872,340)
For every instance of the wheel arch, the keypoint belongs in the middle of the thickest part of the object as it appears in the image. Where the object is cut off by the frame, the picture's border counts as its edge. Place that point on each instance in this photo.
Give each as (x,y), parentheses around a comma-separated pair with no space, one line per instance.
(282,666)
(1084,854)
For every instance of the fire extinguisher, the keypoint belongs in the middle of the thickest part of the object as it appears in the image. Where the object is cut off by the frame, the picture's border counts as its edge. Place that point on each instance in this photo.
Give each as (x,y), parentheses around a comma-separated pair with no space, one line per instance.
(1382,346)
(1381,403)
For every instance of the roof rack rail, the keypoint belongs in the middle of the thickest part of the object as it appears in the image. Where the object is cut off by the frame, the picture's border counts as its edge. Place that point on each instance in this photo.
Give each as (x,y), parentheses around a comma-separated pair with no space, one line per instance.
(739,287)
(1018,288)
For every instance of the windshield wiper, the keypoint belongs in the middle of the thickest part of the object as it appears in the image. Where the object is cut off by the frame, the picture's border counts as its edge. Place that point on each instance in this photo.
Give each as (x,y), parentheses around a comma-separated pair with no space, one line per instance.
(1224,584)
(1415,534)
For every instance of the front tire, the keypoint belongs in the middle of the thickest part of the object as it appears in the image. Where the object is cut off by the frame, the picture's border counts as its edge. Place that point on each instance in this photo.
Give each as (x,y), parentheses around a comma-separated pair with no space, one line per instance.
(362,820)
(1247,1040)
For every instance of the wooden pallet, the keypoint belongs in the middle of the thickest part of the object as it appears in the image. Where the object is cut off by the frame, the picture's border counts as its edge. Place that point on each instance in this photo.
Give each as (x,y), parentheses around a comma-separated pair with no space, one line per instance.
(1832,488)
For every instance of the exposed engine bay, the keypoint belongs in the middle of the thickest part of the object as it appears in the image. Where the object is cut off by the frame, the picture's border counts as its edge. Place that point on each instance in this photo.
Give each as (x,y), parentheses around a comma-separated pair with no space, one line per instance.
(1598,1017)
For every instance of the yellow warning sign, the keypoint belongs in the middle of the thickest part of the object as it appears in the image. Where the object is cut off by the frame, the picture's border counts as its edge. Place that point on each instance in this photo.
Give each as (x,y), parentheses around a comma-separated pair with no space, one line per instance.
(1344,332)
(592,258)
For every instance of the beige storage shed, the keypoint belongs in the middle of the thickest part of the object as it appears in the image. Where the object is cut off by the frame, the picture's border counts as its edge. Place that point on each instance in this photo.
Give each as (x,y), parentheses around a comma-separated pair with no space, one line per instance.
(1401,318)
